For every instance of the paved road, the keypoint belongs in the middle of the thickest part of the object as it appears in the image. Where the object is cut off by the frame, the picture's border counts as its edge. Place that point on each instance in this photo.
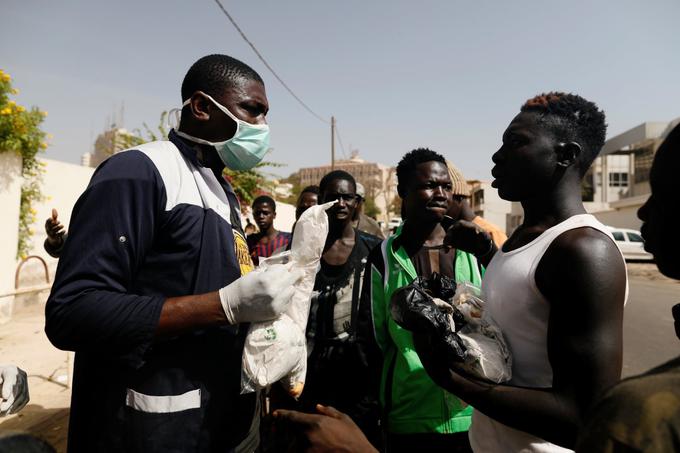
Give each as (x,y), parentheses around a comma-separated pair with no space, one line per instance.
(648,334)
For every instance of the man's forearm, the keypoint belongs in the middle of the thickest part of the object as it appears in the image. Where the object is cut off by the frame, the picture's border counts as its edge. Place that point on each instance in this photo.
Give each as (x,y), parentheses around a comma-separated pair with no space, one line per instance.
(187,313)
(540,412)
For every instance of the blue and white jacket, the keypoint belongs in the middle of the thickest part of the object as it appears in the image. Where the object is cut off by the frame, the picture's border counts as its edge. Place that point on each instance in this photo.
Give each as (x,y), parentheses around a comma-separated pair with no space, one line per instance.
(153,223)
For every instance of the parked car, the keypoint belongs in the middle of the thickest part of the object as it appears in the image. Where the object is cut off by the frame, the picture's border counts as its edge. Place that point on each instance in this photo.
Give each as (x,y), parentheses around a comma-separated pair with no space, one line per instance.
(631,243)
(394,222)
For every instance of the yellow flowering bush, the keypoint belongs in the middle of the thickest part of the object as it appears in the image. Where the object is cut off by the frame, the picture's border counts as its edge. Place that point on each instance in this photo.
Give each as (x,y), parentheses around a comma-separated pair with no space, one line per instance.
(20,133)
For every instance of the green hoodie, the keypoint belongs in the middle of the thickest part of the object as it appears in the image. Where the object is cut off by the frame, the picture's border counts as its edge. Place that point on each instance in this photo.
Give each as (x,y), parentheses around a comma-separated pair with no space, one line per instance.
(411,401)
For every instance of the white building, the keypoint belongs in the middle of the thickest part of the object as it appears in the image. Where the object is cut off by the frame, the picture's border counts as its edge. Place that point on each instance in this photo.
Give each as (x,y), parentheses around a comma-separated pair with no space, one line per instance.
(486,203)
(624,165)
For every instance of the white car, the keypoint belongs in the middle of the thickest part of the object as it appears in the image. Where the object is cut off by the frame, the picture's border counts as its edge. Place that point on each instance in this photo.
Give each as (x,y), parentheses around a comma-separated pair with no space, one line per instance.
(394,222)
(631,243)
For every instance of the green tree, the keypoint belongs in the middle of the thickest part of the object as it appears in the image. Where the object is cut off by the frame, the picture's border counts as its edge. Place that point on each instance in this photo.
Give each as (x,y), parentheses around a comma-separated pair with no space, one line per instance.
(20,133)
(249,184)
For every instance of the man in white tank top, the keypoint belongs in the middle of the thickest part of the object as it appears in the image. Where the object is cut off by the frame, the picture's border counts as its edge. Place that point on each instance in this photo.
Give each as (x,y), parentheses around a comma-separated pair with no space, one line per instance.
(556,288)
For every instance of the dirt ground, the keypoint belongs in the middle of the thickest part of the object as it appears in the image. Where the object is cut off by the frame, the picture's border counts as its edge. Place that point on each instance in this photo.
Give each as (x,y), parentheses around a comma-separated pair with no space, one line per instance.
(23,342)
(646,270)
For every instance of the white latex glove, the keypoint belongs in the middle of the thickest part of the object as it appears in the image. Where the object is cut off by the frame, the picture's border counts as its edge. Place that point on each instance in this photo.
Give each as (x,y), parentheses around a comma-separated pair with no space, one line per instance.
(260,295)
(14,385)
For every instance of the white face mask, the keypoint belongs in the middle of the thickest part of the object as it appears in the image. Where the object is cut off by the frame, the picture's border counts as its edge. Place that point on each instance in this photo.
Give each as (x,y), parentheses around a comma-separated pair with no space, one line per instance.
(245,149)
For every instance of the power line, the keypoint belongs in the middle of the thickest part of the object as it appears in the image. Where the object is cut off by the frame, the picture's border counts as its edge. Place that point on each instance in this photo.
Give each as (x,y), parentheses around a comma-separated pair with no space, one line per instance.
(231,19)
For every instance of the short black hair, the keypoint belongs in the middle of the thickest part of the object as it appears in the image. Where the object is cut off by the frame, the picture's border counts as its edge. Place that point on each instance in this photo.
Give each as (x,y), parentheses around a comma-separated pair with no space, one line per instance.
(265,199)
(335,175)
(571,118)
(407,166)
(212,73)
(311,189)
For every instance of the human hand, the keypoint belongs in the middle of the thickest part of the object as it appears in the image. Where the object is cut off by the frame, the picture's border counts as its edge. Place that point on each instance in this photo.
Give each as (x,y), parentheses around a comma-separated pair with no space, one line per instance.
(54,229)
(14,389)
(260,295)
(468,237)
(328,431)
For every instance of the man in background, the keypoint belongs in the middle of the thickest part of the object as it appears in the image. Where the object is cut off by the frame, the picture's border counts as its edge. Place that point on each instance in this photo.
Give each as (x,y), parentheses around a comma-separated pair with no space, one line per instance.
(417,412)
(269,239)
(308,197)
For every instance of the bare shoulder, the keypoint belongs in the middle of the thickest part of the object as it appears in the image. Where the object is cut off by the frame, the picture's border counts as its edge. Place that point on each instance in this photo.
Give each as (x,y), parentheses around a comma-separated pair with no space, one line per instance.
(584,249)
(582,261)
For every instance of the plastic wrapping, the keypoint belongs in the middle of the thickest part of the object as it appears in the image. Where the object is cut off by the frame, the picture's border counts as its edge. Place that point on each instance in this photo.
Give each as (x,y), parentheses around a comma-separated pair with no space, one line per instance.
(277,350)
(422,307)
(487,354)
(472,341)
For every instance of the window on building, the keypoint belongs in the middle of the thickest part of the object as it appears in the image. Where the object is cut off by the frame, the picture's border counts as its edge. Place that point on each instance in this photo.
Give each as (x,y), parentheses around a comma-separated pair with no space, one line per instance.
(643,164)
(478,198)
(618,179)
(618,236)
(634,237)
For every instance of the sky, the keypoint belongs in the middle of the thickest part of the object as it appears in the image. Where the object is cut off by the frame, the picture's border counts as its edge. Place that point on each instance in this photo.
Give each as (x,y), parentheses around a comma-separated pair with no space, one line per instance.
(448,75)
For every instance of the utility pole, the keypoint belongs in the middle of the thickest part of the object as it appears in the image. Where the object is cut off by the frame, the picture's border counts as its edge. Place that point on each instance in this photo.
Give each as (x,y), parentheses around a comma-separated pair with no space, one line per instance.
(332,143)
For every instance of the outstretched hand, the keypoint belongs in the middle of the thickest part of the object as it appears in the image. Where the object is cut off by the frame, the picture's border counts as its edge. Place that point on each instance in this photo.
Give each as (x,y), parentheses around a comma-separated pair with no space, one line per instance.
(54,229)
(328,431)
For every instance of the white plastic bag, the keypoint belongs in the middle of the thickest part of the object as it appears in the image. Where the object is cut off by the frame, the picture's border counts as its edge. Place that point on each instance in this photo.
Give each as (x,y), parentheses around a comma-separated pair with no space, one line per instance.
(487,355)
(277,350)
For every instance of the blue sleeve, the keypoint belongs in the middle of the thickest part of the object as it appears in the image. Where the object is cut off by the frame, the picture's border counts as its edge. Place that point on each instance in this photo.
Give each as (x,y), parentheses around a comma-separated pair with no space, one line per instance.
(92,306)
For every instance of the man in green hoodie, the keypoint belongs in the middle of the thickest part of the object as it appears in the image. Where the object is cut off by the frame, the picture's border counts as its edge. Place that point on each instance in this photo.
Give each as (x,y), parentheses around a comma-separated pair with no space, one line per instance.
(416,411)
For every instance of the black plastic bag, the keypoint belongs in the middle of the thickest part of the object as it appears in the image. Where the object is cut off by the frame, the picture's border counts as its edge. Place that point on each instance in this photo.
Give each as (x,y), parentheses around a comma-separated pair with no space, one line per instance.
(413,308)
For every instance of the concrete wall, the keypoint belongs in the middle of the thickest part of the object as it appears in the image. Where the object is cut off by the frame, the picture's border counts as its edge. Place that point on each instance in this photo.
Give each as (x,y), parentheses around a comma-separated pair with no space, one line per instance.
(10,199)
(493,209)
(621,218)
(62,185)
(622,213)
(285,217)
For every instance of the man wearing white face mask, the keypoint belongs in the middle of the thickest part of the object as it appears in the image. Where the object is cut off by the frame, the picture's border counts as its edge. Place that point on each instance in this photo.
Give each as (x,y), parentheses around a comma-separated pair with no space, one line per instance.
(154,292)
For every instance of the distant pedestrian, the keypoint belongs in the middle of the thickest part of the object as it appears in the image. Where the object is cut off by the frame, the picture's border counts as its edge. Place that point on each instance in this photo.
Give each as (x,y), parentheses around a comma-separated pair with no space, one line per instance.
(269,239)
(308,197)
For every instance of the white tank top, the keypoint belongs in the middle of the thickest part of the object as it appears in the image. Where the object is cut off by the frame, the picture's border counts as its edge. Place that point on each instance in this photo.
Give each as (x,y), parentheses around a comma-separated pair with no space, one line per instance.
(520,310)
